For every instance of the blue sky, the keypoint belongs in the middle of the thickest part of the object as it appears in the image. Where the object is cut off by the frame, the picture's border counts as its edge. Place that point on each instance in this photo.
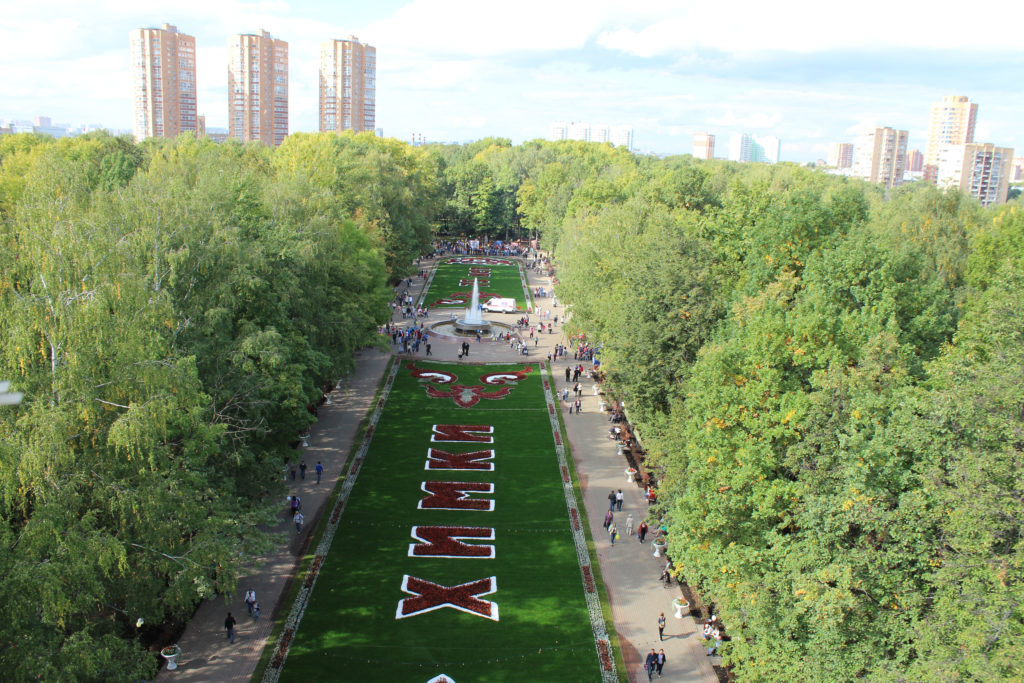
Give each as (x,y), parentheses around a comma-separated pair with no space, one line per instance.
(810,72)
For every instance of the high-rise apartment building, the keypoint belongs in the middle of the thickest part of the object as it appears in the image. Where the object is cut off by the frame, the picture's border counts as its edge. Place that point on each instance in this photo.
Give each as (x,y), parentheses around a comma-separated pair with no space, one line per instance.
(952,123)
(881,156)
(1017,173)
(622,136)
(558,130)
(915,161)
(164,82)
(749,148)
(348,86)
(258,88)
(704,145)
(841,155)
(600,132)
(982,170)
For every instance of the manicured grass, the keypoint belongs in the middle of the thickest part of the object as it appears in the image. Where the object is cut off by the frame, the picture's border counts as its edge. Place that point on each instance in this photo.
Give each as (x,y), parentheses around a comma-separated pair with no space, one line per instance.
(350,628)
(455,278)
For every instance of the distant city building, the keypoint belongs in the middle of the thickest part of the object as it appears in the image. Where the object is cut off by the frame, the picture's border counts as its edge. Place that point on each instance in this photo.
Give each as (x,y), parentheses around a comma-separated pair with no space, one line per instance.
(622,136)
(558,130)
(740,146)
(982,170)
(841,155)
(164,82)
(769,149)
(44,125)
(217,134)
(619,136)
(881,156)
(1017,175)
(348,86)
(258,88)
(704,146)
(749,148)
(952,123)
(915,161)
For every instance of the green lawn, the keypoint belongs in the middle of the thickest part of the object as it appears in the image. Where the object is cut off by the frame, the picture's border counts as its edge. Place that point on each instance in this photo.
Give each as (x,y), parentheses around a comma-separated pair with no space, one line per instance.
(541,625)
(501,279)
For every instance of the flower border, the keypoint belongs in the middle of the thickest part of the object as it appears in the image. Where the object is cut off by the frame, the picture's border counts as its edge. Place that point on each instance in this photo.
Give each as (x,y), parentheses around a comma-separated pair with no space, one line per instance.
(601,640)
(273,671)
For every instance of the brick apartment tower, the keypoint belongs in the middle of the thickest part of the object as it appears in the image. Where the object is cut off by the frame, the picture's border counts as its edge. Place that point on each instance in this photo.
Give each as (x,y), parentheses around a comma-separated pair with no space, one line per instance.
(704,146)
(258,88)
(881,156)
(164,82)
(952,123)
(348,86)
(841,155)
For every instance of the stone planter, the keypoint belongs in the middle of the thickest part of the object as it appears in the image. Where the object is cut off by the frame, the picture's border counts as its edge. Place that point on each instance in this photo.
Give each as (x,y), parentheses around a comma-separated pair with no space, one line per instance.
(679,604)
(631,474)
(659,547)
(171,654)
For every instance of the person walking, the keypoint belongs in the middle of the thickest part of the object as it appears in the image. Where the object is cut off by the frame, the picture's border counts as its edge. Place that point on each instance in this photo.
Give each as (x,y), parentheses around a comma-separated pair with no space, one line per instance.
(650,663)
(661,626)
(629,525)
(428,349)
(302,469)
(298,519)
(641,532)
(319,471)
(611,500)
(256,611)
(619,498)
(660,661)
(612,531)
(568,373)
(229,625)
(579,406)
(608,517)
(250,600)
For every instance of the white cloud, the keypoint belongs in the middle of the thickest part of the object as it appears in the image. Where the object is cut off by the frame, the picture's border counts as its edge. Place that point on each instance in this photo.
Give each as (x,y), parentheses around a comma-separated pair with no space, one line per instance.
(804,26)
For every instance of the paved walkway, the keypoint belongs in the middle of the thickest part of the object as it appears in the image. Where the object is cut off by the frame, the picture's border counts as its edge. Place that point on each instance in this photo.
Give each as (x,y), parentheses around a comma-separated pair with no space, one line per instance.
(630,571)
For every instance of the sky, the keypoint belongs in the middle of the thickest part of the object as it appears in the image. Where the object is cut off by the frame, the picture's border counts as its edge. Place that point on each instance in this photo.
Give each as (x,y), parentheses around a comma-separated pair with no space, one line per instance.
(810,72)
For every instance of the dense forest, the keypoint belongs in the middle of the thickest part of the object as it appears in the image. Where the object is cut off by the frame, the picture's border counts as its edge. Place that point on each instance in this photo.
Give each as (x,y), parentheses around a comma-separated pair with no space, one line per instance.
(829,381)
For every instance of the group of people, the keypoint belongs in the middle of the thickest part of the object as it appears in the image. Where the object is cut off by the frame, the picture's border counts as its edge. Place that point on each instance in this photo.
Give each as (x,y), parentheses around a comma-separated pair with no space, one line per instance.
(712,634)
(409,339)
(655,662)
(251,606)
(615,501)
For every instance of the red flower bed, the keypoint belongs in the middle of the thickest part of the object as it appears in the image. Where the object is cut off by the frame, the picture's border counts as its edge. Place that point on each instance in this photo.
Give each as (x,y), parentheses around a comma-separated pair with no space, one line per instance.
(565,474)
(558,438)
(355,465)
(282,649)
(574,513)
(606,655)
(547,387)
(551,409)
(588,579)
(337,511)
(314,569)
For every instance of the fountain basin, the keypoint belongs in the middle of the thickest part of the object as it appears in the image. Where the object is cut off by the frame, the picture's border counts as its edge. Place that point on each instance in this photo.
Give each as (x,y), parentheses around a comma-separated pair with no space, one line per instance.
(461,328)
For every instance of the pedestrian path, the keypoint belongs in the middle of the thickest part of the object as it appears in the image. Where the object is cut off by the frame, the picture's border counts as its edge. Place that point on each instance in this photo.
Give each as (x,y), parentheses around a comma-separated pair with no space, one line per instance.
(630,571)
(206,654)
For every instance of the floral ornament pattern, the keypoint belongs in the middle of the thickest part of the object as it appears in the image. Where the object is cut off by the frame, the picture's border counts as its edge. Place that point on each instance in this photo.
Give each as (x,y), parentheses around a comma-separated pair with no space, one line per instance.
(467,395)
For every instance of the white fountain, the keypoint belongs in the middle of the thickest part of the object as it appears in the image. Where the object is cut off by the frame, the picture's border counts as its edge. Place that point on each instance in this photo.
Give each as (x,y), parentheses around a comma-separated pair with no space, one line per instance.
(473,320)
